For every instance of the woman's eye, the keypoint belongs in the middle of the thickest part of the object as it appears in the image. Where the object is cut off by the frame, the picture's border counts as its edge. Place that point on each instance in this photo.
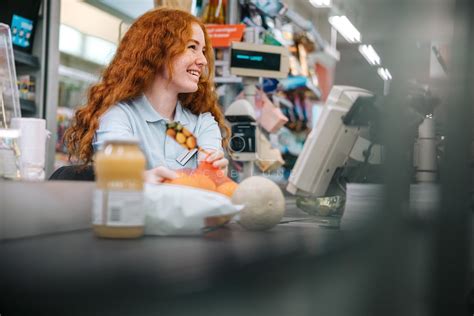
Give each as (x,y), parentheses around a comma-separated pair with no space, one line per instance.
(192,46)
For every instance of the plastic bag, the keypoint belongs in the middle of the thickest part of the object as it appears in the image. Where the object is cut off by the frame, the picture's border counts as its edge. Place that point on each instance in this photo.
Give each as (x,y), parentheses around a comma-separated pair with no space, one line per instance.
(205,177)
(181,210)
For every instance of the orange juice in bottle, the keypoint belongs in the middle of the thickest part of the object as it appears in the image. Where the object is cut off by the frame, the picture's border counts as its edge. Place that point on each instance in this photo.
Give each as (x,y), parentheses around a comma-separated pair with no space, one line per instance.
(118,209)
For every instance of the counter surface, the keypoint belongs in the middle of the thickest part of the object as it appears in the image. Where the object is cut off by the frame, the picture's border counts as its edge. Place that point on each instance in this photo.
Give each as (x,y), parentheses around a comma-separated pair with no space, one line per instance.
(52,271)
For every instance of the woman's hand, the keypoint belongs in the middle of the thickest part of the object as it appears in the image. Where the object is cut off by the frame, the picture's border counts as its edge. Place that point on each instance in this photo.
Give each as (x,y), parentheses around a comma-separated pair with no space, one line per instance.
(159,174)
(217,159)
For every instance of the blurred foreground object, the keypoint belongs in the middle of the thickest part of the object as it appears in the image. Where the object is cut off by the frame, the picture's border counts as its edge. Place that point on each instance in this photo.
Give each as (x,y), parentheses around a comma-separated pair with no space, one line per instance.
(118,210)
(333,141)
(9,96)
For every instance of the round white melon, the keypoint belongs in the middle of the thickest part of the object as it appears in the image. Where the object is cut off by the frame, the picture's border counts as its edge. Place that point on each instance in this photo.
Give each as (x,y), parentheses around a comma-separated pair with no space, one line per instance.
(264,203)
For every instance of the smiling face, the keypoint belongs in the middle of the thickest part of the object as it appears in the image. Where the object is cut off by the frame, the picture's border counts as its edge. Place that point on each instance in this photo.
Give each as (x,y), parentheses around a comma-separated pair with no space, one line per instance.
(188,67)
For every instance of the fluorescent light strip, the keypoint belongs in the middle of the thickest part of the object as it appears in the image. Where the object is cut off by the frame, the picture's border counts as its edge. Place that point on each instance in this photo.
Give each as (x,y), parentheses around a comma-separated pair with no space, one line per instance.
(384,74)
(321,3)
(370,54)
(346,28)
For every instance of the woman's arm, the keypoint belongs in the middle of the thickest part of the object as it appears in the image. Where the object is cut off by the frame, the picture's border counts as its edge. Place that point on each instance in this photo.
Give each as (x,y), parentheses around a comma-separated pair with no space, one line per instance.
(114,123)
(158,174)
(210,139)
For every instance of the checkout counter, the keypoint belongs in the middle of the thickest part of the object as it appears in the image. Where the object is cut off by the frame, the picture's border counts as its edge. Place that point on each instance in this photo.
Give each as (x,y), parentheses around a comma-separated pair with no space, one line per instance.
(51,262)
(57,265)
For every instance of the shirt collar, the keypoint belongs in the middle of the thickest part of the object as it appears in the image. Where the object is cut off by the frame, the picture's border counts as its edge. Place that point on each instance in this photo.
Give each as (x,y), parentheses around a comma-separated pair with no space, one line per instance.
(151,115)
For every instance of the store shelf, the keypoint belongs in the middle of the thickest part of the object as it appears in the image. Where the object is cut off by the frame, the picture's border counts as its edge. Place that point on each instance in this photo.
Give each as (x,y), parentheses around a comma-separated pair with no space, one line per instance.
(77,74)
(28,107)
(24,59)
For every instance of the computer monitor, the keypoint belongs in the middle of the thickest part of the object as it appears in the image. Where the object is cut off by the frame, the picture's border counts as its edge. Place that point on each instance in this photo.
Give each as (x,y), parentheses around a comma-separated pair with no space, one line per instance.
(329,144)
(21,16)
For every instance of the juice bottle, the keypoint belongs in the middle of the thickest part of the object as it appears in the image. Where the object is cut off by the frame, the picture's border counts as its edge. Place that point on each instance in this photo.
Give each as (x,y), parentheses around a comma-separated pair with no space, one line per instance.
(118,210)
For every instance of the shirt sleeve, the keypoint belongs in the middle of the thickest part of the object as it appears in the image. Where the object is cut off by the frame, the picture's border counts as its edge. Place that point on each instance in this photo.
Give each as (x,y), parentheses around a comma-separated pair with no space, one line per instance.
(114,123)
(208,133)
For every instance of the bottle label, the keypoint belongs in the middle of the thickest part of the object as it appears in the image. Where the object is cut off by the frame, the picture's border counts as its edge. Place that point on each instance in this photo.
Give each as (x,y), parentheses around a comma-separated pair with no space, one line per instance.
(118,208)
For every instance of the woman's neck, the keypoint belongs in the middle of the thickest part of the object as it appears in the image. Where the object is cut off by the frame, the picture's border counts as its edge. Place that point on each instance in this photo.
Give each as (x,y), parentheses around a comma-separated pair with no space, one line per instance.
(162,100)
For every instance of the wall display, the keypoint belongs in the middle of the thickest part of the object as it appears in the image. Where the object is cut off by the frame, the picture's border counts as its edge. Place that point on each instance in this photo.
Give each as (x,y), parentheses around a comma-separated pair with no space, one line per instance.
(224,35)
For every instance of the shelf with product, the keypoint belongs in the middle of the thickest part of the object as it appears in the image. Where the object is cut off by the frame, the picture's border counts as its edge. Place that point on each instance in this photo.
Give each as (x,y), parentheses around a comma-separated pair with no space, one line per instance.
(300,95)
(28,68)
(28,108)
(25,20)
(25,60)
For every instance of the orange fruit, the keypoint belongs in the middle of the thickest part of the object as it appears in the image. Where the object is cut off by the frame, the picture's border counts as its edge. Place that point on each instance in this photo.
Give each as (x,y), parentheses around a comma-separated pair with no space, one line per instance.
(217,221)
(184,180)
(227,188)
(215,174)
(180,138)
(186,132)
(191,142)
(204,182)
(171,132)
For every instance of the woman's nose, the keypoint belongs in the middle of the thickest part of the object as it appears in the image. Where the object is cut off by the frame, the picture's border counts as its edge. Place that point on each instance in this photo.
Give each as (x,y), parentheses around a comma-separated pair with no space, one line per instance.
(201,60)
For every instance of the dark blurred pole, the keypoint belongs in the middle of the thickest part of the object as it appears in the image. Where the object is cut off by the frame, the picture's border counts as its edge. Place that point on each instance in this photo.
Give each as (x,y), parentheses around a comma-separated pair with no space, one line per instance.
(392,254)
(452,266)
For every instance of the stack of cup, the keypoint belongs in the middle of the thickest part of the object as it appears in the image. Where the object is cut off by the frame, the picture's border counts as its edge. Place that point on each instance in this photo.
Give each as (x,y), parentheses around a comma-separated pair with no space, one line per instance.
(32,147)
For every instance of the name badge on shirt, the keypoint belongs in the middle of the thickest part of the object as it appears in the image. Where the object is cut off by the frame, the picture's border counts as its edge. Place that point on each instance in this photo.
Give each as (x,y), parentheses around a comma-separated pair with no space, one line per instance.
(186,156)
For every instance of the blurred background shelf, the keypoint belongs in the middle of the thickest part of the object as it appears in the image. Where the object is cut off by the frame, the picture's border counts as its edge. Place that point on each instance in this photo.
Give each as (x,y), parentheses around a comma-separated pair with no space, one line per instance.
(26,60)
(28,108)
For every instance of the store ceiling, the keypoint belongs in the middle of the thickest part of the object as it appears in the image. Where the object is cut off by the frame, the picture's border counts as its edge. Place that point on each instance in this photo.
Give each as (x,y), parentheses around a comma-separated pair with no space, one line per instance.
(375,19)
(129,10)
(123,9)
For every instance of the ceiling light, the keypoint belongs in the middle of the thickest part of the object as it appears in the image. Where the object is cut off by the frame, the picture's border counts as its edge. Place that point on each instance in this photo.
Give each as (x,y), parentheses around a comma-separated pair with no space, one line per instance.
(344,26)
(98,50)
(370,54)
(384,74)
(70,40)
(321,3)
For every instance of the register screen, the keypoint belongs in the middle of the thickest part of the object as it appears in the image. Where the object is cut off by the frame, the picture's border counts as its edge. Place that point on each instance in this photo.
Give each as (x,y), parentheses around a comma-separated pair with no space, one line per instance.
(255,60)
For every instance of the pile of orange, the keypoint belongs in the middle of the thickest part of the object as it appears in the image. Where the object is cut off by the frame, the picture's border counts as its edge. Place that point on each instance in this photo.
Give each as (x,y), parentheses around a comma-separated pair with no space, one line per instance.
(206,177)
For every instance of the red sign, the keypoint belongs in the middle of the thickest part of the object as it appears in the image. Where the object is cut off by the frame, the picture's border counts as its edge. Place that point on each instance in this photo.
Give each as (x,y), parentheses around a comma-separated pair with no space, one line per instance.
(223,34)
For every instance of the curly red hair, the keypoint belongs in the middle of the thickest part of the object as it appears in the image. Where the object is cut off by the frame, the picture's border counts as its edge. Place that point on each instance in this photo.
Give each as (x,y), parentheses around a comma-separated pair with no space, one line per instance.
(150,45)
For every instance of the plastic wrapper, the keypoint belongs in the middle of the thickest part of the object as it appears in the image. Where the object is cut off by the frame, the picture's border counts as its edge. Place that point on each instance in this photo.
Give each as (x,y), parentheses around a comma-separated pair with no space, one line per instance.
(326,210)
(182,210)
(205,177)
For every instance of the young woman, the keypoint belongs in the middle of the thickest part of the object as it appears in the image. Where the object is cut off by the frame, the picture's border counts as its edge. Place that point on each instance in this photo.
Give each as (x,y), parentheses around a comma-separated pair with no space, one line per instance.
(162,71)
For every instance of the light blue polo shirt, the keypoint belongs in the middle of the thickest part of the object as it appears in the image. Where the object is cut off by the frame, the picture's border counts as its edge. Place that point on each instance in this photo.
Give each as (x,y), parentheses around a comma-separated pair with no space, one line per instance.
(138,118)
